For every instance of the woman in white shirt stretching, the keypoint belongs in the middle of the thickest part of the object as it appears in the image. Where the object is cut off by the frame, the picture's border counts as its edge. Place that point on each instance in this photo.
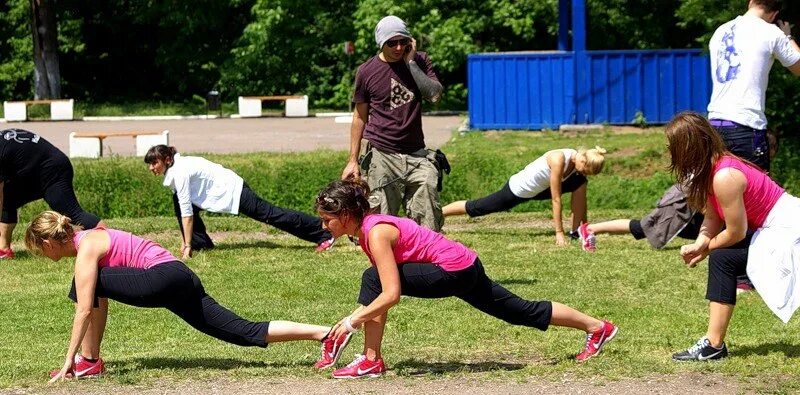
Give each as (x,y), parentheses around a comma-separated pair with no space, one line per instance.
(199,184)
(556,172)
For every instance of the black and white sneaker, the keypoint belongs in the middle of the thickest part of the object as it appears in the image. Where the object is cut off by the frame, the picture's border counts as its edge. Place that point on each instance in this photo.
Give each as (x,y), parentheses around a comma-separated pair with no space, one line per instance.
(701,351)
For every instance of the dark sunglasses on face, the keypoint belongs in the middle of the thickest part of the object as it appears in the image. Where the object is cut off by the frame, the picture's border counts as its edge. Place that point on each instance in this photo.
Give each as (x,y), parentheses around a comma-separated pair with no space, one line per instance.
(402,41)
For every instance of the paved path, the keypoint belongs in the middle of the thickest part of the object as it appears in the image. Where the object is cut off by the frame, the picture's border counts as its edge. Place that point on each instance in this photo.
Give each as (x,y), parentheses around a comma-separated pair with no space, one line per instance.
(230,135)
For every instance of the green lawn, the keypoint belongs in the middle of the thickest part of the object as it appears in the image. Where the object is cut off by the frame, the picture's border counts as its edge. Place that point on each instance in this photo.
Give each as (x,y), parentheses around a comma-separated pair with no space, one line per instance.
(656,301)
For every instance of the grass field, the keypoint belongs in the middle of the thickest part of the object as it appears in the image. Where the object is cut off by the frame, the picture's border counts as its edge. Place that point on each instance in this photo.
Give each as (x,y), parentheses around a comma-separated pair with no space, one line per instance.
(263,275)
(657,303)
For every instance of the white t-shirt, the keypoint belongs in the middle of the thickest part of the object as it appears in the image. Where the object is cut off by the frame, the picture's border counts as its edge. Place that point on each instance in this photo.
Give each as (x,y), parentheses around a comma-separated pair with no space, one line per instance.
(535,177)
(742,52)
(205,184)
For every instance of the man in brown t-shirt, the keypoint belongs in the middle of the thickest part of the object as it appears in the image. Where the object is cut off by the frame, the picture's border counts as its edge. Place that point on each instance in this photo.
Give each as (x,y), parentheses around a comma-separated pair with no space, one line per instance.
(388,97)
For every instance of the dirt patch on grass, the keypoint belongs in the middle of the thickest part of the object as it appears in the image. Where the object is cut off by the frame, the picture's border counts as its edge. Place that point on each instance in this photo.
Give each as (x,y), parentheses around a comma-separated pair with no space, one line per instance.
(689,383)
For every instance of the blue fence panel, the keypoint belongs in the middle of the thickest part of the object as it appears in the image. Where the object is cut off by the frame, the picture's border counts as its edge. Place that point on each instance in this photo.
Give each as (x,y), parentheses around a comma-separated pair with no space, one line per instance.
(520,90)
(545,90)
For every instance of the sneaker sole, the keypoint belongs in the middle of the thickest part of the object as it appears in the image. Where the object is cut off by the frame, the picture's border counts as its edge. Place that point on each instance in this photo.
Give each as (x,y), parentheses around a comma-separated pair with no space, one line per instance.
(600,349)
(338,353)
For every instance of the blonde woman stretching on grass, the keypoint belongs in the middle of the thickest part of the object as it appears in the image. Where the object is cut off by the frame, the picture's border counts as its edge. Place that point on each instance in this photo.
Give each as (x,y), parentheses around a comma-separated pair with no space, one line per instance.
(112,264)
(548,177)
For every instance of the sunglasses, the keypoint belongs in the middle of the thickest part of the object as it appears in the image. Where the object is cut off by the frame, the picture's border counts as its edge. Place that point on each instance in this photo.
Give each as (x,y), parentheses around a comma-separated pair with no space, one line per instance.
(402,41)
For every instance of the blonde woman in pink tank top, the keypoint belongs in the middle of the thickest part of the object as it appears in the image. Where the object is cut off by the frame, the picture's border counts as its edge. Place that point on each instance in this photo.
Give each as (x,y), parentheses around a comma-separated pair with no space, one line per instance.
(750,227)
(112,264)
(408,259)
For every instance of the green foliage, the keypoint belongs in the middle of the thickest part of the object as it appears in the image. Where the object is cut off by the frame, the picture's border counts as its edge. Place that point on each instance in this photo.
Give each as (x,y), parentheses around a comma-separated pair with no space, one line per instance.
(16,50)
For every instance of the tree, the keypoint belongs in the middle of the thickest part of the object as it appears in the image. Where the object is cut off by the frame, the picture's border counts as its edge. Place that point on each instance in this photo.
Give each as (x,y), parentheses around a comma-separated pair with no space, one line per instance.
(46,72)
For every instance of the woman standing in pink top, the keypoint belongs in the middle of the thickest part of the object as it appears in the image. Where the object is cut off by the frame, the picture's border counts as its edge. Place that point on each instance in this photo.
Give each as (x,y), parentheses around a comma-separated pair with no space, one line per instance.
(112,264)
(751,225)
(408,259)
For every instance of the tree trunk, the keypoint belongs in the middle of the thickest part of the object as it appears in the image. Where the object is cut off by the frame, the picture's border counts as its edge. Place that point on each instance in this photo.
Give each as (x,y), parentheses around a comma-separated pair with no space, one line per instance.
(46,74)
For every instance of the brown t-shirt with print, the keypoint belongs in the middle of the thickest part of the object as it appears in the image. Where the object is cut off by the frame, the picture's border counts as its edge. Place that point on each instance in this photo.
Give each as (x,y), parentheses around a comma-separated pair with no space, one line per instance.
(395,103)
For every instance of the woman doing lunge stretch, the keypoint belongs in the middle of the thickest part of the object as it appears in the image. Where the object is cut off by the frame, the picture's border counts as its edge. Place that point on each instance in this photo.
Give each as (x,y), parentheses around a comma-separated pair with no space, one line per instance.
(408,259)
(750,227)
(112,264)
(30,169)
(199,184)
(552,174)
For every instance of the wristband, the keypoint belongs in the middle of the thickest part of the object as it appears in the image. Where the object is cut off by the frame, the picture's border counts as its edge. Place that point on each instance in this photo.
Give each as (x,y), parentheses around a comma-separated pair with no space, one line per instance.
(790,37)
(349,325)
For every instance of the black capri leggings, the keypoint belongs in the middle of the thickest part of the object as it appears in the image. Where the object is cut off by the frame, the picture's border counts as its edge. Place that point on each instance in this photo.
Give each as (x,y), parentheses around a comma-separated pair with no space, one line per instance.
(724,266)
(174,286)
(426,280)
(59,195)
(504,199)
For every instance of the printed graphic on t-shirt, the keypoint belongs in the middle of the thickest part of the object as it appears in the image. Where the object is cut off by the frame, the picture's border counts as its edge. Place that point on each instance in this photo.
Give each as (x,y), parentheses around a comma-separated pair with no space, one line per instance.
(13,135)
(728,62)
(400,95)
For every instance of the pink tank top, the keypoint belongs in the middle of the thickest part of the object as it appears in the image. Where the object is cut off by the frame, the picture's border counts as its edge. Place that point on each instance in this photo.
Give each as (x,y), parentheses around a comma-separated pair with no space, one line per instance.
(127,250)
(418,244)
(760,195)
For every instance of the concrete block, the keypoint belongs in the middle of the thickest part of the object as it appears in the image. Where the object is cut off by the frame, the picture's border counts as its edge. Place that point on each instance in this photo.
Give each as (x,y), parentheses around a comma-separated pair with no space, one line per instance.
(249,107)
(85,147)
(15,111)
(61,110)
(297,107)
(144,142)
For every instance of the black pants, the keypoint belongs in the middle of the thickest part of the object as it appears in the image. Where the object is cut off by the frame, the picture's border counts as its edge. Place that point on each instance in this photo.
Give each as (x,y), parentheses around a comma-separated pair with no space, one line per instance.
(298,224)
(175,287)
(504,199)
(747,143)
(725,265)
(58,194)
(426,280)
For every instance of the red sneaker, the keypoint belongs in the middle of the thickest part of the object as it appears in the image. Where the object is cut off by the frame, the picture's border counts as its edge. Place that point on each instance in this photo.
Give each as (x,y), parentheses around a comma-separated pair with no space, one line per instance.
(331,350)
(360,367)
(588,241)
(596,340)
(7,254)
(84,369)
(326,245)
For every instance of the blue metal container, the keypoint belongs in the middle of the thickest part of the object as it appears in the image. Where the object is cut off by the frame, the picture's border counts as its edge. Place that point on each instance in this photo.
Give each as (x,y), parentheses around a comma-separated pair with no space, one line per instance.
(536,90)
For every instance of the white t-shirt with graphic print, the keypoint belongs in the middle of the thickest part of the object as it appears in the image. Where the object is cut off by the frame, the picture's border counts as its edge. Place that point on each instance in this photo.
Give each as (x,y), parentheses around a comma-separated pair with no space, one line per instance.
(742,52)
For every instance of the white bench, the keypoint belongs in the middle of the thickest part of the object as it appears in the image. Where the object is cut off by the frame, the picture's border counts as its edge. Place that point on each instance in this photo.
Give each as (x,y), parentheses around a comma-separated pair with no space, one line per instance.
(90,144)
(60,110)
(296,106)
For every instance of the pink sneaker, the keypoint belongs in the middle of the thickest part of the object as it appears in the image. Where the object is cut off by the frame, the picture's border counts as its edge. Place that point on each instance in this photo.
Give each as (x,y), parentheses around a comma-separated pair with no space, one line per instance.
(326,245)
(596,340)
(7,254)
(84,369)
(588,241)
(332,350)
(360,367)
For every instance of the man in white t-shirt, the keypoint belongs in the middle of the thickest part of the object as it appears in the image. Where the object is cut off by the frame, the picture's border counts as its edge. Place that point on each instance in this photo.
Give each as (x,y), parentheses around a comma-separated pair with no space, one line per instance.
(742,52)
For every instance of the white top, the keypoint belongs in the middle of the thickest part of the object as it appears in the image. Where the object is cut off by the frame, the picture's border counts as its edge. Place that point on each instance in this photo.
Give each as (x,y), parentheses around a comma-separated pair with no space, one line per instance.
(535,177)
(742,52)
(205,184)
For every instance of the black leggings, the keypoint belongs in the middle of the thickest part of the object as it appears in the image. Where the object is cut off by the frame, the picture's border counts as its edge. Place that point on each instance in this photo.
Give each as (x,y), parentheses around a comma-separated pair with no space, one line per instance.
(504,199)
(426,280)
(175,287)
(724,266)
(58,194)
(297,224)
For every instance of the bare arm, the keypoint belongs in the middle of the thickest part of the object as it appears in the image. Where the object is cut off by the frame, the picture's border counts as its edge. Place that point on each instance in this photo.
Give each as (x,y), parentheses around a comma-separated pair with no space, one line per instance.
(729,185)
(382,238)
(556,162)
(93,247)
(186,237)
(360,115)
(786,27)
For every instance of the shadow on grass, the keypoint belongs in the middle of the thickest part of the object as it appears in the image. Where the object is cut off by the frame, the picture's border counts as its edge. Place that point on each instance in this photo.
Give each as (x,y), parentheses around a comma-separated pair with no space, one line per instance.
(415,367)
(789,350)
(136,364)
(259,244)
